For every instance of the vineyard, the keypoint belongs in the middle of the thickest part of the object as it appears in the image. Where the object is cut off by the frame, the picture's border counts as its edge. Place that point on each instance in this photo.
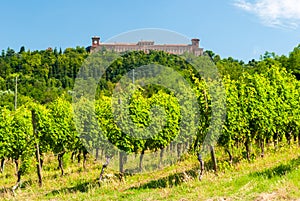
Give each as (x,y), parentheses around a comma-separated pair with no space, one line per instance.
(52,119)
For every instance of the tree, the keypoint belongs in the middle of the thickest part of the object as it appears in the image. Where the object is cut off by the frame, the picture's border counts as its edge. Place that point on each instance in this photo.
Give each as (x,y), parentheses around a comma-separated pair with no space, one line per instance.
(21,141)
(294,62)
(64,135)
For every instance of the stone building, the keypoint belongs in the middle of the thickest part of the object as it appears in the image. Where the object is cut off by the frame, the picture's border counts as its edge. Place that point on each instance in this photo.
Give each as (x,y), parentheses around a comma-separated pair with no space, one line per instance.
(148,45)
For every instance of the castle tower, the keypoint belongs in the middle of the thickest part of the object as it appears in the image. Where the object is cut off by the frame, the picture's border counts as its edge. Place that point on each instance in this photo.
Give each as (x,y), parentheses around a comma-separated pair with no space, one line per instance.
(95,41)
(195,42)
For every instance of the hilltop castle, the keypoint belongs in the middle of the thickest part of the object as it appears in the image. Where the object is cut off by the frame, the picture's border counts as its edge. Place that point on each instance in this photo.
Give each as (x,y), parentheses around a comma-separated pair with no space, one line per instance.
(148,45)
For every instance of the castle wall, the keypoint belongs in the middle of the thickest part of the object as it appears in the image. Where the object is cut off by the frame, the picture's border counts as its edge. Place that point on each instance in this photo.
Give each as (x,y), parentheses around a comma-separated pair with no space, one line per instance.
(148,45)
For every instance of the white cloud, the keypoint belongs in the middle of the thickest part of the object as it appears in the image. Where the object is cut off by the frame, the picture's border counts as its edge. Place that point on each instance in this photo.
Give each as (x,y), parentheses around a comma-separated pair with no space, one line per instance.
(275,13)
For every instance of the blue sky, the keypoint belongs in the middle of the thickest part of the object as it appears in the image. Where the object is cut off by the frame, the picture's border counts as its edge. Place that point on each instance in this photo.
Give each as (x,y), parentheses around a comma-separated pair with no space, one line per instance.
(242,29)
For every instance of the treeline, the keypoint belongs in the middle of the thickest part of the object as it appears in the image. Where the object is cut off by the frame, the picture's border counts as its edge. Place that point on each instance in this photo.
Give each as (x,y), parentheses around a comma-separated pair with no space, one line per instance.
(41,75)
(47,74)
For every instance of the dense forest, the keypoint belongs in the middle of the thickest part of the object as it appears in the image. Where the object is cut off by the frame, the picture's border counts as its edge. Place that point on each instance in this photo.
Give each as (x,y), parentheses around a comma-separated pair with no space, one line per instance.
(262,106)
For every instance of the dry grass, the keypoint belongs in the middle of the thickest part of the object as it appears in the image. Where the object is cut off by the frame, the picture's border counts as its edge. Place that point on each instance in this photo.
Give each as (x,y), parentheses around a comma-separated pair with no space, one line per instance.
(276,177)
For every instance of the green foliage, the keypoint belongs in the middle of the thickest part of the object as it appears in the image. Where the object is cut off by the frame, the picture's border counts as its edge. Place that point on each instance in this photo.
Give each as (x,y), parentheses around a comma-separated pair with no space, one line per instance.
(293,63)
(262,102)
(146,129)
(43,75)
(16,137)
(63,132)
(5,133)
(261,107)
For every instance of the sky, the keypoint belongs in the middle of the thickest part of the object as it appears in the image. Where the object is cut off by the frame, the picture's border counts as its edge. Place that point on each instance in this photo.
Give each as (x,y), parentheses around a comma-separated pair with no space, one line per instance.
(242,29)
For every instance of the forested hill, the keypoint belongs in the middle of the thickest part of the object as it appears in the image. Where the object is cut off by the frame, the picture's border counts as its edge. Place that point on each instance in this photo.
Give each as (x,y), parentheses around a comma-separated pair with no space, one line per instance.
(43,75)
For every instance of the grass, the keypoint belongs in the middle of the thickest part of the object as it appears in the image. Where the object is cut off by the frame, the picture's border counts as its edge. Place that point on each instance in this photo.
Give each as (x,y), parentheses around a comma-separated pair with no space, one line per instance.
(275,177)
